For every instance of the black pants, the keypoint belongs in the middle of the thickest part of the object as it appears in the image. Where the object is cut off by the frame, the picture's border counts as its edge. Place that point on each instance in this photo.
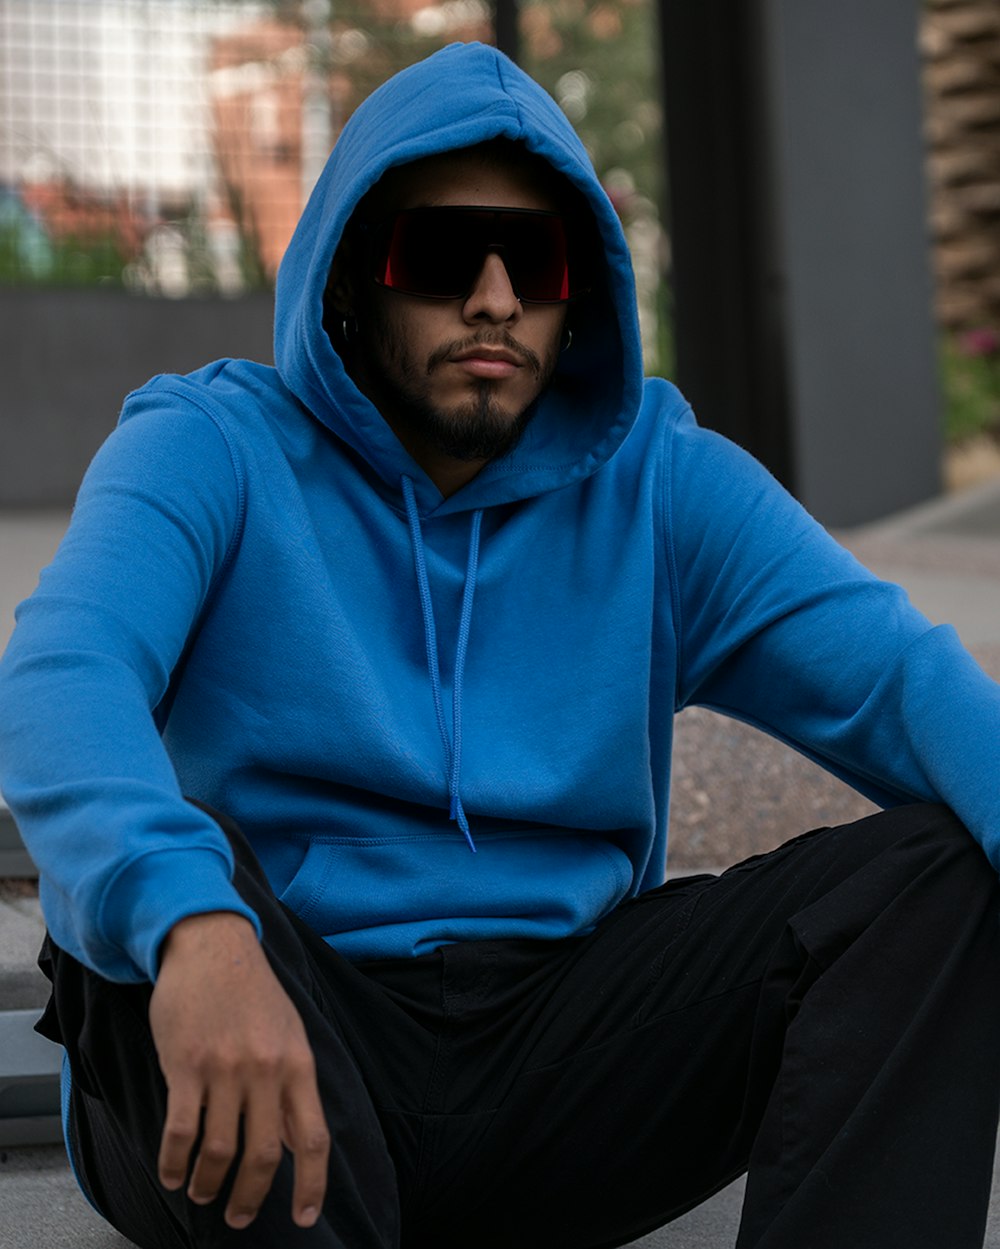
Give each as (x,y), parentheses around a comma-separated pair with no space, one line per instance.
(827,1015)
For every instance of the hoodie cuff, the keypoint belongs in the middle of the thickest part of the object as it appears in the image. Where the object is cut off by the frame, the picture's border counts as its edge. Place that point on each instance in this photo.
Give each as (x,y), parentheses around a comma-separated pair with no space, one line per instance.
(157,891)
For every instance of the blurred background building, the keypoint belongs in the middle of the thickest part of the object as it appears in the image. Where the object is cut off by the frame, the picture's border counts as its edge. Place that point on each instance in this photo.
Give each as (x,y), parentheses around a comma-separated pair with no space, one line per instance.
(167,146)
(158,152)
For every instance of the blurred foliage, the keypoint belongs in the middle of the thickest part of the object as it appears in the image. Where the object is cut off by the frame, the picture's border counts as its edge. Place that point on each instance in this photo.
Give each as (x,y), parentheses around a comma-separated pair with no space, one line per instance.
(970,370)
(64,262)
(600,62)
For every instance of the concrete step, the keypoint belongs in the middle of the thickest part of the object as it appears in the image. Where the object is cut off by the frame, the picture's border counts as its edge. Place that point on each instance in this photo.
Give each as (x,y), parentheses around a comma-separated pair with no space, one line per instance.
(29,1082)
(15,862)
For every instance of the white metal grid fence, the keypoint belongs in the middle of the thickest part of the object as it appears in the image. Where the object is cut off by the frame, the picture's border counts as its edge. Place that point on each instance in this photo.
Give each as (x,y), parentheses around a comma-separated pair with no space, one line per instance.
(167,145)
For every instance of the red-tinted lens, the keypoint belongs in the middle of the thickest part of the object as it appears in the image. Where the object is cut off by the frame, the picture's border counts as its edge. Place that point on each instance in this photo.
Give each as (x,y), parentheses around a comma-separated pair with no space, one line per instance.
(439,252)
(536,255)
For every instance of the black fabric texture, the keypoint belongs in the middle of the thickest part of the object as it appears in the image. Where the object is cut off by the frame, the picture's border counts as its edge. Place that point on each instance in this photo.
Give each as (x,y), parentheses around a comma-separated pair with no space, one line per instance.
(825,1015)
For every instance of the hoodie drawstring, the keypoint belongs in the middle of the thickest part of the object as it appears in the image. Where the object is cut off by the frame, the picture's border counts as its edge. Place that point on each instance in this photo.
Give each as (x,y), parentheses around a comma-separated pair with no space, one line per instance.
(452,743)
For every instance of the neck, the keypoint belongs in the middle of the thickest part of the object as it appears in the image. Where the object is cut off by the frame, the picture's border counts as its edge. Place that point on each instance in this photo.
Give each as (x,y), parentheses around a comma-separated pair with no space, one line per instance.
(445,471)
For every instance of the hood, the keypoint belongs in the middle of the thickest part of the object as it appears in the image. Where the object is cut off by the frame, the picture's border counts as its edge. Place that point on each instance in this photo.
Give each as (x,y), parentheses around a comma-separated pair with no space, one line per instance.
(463,95)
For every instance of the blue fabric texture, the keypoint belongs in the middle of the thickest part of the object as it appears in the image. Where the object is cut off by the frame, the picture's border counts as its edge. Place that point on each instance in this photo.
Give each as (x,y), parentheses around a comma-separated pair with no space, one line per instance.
(373,679)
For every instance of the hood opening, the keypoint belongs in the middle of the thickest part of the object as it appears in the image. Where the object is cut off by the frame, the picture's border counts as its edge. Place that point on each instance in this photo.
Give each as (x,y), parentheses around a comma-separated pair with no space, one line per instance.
(463,96)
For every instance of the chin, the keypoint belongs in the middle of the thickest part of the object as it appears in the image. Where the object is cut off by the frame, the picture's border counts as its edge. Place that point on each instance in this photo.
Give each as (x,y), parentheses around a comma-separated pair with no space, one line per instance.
(481,430)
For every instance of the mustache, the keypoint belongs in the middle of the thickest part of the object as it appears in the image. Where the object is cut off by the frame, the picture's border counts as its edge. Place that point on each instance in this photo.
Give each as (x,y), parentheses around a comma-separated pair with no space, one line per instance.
(495,338)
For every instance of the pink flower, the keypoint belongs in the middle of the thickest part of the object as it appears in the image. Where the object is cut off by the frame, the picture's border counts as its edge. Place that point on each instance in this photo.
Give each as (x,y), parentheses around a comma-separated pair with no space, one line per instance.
(981,342)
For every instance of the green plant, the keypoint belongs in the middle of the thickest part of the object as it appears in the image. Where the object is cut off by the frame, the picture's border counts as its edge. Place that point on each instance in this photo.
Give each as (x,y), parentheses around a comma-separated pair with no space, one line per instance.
(64,262)
(970,370)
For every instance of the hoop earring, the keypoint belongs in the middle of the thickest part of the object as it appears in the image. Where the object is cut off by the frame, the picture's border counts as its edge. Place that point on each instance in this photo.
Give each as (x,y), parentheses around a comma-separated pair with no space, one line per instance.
(567,340)
(349,327)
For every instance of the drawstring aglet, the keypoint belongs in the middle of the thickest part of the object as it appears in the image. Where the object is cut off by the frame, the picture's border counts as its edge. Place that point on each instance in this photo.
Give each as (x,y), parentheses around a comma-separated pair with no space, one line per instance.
(458,815)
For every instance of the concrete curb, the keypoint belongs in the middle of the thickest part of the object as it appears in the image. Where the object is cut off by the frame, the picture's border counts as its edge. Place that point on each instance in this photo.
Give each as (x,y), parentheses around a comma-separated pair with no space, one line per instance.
(972,513)
(14,859)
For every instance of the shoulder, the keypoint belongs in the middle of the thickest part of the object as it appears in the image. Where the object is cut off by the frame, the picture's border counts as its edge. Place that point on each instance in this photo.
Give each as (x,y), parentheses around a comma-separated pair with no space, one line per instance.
(182,446)
(197,426)
(702,465)
(234,396)
(668,424)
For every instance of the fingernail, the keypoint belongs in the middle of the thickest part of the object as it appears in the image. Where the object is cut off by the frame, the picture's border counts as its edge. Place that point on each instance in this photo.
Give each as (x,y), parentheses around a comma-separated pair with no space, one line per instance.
(239,1221)
(309,1215)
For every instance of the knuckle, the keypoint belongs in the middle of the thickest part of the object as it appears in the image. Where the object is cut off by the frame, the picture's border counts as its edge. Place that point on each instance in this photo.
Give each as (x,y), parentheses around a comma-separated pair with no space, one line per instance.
(222,1061)
(266,1062)
(194,1057)
(179,1132)
(301,1061)
(265,1156)
(217,1150)
(316,1141)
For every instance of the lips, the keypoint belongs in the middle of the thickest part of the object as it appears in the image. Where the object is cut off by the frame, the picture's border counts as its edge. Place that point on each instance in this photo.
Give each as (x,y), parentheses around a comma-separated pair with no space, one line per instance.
(487,363)
(489,355)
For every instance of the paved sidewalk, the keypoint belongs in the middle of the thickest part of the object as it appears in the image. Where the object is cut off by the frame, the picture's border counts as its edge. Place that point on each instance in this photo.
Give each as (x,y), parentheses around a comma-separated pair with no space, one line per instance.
(736,793)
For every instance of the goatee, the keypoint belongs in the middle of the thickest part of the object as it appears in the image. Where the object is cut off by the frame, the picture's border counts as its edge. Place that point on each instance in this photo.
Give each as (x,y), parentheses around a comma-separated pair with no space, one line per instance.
(482,429)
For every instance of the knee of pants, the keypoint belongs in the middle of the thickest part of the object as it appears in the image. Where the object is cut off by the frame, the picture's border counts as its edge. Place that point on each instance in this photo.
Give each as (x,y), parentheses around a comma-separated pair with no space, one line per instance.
(931,833)
(914,872)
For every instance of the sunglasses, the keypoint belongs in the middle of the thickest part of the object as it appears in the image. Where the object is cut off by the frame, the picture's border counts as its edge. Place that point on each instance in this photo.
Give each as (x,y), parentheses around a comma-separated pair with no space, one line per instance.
(438,253)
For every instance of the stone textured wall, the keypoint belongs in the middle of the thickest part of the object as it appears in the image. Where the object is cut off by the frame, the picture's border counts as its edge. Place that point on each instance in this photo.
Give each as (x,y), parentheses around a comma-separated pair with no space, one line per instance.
(961,48)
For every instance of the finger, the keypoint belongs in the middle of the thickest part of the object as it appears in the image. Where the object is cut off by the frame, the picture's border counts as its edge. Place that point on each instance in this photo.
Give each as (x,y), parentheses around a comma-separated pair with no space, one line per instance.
(180,1131)
(219,1142)
(261,1154)
(310,1143)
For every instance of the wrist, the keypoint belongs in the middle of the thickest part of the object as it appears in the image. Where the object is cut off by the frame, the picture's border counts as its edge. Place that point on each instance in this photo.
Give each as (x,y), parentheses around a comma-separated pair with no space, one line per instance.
(216,929)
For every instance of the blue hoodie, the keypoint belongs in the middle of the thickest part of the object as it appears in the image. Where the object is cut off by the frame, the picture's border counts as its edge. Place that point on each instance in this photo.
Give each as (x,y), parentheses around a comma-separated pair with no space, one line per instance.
(264,602)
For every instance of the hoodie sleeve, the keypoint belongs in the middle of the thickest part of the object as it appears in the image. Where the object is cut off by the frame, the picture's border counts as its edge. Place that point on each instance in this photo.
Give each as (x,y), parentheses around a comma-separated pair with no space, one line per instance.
(779,626)
(122,856)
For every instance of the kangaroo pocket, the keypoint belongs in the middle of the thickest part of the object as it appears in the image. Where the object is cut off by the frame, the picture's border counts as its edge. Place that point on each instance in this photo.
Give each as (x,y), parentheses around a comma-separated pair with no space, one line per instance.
(399,896)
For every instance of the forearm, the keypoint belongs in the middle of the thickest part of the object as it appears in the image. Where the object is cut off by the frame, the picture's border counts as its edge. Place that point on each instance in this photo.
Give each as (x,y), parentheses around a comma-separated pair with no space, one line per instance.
(233,1050)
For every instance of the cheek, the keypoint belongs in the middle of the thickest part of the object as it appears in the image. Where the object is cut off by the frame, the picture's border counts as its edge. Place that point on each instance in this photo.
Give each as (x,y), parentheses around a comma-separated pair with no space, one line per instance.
(392,341)
(408,339)
(550,335)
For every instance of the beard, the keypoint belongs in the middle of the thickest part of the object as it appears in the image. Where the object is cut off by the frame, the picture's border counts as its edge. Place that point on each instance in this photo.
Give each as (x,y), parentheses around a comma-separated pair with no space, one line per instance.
(479,429)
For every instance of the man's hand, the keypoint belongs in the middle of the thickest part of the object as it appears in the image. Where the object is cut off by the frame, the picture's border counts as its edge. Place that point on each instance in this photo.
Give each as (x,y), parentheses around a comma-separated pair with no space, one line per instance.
(229,1040)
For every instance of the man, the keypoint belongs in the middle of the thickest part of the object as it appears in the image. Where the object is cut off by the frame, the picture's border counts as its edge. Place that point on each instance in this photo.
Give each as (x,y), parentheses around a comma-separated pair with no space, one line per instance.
(414,612)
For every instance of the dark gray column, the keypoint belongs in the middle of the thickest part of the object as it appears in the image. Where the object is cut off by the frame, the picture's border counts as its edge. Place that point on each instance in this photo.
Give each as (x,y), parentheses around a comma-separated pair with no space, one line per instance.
(70,357)
(802,271)
(505,24)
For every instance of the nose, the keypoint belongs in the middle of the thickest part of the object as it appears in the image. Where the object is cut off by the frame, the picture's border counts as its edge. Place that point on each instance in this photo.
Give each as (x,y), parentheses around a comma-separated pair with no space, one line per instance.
(492,297)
